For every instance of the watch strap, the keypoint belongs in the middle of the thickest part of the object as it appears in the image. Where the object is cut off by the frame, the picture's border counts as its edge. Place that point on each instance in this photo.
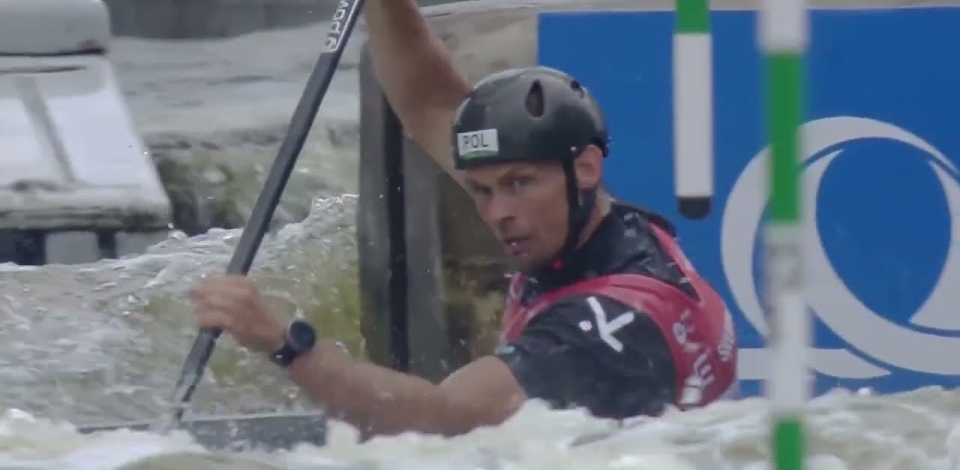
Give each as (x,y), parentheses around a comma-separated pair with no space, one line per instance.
(293,348)
(285,356)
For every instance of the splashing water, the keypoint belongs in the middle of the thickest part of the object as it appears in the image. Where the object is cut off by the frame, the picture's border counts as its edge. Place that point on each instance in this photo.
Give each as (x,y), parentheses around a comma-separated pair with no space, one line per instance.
(848,431)
(105,341)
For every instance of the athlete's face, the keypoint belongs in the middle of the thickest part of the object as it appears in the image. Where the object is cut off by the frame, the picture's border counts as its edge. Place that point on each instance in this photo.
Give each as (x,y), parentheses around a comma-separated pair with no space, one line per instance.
(525,204)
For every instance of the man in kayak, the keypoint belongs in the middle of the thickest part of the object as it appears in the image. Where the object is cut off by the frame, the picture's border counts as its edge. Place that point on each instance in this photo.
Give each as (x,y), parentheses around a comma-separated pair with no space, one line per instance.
(605,313)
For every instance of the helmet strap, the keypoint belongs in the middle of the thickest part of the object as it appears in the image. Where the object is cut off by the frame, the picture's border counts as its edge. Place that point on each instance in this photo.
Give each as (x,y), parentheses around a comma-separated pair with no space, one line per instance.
(580,211)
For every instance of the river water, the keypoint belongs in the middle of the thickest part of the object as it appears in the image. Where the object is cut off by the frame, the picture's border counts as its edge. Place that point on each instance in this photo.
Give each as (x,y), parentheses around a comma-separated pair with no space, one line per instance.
(105,341)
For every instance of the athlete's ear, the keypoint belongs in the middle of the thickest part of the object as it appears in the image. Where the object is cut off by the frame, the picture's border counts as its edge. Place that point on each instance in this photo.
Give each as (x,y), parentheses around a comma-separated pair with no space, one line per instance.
(589,167)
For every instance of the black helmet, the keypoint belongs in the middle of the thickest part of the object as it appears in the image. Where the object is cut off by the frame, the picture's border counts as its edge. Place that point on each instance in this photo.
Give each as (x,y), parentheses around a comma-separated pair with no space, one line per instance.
(534,113)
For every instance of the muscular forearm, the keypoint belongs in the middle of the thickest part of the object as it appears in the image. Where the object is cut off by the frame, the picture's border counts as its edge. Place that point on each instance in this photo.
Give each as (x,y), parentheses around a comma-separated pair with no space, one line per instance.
(375,399)
(411,64)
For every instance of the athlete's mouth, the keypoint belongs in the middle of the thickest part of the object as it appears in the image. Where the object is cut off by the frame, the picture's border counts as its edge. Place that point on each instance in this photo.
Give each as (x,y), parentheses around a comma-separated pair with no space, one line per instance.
(516,245)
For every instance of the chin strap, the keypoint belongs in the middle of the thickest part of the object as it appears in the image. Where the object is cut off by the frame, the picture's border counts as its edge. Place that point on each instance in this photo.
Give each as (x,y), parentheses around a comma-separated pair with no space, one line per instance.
(579,213)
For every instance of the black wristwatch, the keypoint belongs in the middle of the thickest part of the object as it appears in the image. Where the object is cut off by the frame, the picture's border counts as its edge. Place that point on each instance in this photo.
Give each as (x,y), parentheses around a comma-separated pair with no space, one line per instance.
(298,339)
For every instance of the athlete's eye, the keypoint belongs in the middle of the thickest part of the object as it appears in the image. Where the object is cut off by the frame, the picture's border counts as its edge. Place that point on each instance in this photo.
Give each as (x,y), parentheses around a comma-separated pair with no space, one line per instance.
(480,191)
(520,182)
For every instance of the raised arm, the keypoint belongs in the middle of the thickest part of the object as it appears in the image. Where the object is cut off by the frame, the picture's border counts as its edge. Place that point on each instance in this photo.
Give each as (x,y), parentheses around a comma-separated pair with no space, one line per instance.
(417,74)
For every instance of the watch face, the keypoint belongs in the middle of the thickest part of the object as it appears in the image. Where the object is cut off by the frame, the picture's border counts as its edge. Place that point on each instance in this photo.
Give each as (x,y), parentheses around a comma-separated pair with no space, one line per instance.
(301,335)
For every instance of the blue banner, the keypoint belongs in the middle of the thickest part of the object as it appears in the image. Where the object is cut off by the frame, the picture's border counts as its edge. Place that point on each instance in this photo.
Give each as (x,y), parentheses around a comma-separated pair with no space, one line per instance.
(880,176)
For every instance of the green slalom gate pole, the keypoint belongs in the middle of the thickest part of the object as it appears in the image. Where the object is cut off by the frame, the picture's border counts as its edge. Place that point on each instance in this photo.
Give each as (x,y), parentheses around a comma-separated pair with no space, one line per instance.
(783,38)
(693,109)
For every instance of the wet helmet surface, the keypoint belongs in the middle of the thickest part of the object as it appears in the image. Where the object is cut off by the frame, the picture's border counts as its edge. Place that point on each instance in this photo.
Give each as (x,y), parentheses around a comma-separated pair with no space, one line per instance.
(534,113)
(528,114)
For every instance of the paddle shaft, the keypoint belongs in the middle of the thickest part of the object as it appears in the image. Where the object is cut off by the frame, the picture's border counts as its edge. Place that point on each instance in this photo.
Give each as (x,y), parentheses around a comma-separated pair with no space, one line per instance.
(344,19)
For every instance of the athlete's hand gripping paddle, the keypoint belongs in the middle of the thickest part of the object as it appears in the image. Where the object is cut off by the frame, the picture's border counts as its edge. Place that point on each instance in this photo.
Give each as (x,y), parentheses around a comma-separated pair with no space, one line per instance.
(344,19)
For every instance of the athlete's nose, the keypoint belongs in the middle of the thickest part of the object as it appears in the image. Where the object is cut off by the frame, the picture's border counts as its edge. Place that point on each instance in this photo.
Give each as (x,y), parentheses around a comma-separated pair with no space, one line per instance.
(501,211)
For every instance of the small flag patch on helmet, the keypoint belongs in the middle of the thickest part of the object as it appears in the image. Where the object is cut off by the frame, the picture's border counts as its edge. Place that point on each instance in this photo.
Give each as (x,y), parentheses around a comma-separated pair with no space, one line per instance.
(478,144)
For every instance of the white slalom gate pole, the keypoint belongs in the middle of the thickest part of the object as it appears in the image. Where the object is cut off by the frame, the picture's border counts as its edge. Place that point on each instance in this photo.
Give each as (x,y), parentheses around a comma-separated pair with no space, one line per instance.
(783,34)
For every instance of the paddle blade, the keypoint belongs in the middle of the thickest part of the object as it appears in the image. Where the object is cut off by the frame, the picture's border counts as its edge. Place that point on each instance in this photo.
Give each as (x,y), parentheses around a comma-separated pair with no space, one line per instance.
(269,431)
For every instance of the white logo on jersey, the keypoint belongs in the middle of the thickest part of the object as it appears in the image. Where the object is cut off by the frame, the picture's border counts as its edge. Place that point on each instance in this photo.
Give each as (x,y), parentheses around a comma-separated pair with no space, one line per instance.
(726,346)
(606,329)
(680,333)
(700,377)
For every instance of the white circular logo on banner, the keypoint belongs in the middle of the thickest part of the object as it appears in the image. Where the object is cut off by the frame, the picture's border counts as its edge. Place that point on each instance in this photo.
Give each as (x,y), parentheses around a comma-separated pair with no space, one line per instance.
(826,294)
